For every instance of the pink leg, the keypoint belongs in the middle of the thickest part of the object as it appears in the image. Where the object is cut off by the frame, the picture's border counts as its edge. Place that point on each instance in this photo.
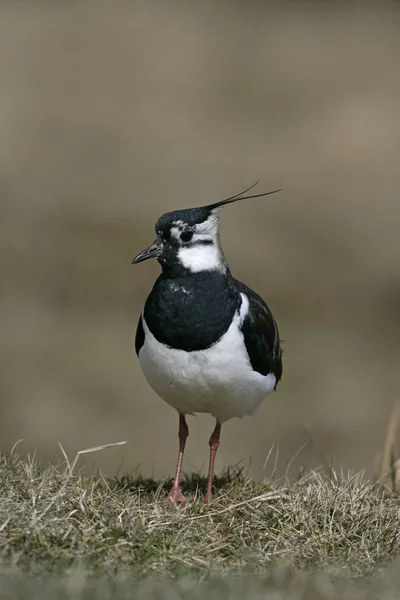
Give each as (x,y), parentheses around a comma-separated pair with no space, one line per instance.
(175,494)
(214,443)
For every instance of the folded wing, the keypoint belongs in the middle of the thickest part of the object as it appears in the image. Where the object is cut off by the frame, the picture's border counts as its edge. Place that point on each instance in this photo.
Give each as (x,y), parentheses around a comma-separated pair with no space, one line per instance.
(261,335)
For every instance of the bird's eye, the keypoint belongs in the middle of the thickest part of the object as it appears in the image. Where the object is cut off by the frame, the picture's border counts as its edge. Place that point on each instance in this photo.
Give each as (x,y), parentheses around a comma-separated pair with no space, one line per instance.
(186,236)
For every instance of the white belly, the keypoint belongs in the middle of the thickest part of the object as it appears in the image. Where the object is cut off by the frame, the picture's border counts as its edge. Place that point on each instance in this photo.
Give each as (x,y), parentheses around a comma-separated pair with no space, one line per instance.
(219,380)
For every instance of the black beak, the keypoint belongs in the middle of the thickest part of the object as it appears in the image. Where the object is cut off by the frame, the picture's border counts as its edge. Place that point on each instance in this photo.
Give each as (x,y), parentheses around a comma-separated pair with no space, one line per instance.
(152,251)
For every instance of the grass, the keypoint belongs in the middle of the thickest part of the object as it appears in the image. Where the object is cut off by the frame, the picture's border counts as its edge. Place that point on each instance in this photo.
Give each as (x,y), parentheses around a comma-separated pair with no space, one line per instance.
(72,535)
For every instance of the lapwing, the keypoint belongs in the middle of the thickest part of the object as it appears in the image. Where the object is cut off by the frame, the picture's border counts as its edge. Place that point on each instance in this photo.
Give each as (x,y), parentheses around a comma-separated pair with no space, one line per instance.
(206,342)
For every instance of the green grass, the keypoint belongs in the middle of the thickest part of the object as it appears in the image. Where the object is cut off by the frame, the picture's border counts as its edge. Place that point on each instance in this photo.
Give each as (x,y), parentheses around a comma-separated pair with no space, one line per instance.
(71,535)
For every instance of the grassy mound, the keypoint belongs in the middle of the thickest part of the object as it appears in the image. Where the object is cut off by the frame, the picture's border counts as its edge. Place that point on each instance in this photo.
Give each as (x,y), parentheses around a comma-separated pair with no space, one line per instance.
(88,531)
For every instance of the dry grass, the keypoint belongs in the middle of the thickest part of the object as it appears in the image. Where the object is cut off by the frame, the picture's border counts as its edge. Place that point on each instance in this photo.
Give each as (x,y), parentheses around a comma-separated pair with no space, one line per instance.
(72,532)
(390,465)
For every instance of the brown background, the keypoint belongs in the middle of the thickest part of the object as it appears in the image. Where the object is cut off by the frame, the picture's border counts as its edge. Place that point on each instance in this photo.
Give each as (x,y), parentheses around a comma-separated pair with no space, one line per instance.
(113,113)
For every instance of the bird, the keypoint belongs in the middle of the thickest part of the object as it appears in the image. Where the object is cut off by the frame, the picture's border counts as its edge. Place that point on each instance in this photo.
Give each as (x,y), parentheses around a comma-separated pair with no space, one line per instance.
(206,342)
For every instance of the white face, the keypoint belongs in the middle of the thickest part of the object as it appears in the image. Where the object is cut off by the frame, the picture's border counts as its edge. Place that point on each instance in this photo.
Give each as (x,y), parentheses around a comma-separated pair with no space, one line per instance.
(200,251)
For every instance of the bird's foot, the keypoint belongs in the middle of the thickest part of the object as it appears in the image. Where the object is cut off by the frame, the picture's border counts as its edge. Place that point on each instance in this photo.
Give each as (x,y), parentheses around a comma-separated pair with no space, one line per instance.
(175,496)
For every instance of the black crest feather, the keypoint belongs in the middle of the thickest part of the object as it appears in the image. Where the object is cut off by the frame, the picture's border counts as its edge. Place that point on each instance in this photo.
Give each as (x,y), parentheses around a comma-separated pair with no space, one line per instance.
(240,196)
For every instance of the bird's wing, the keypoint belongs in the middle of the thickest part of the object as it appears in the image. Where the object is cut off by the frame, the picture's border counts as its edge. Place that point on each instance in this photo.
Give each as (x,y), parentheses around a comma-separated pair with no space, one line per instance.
(139,338)
(261,335)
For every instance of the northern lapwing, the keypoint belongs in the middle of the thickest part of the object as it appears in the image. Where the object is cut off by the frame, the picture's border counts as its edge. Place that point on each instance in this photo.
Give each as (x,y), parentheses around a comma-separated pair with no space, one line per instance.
(206,342)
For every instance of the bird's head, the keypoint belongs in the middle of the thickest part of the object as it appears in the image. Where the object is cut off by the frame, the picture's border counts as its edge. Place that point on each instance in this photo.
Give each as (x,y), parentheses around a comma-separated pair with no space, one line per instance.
(187,241)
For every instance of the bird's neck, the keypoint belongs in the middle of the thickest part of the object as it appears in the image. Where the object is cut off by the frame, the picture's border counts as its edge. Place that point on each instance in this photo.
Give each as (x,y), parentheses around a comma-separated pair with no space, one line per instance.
(178,271)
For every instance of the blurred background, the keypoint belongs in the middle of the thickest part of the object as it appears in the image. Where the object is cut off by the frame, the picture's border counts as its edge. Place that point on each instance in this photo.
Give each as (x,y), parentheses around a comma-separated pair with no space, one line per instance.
(114,113)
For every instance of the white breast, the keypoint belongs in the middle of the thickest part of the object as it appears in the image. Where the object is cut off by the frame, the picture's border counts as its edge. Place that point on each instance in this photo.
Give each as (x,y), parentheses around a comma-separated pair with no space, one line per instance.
(219,380)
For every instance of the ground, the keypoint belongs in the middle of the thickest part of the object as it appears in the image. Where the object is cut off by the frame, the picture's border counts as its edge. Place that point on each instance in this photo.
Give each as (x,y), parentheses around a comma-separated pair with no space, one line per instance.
(70,535)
